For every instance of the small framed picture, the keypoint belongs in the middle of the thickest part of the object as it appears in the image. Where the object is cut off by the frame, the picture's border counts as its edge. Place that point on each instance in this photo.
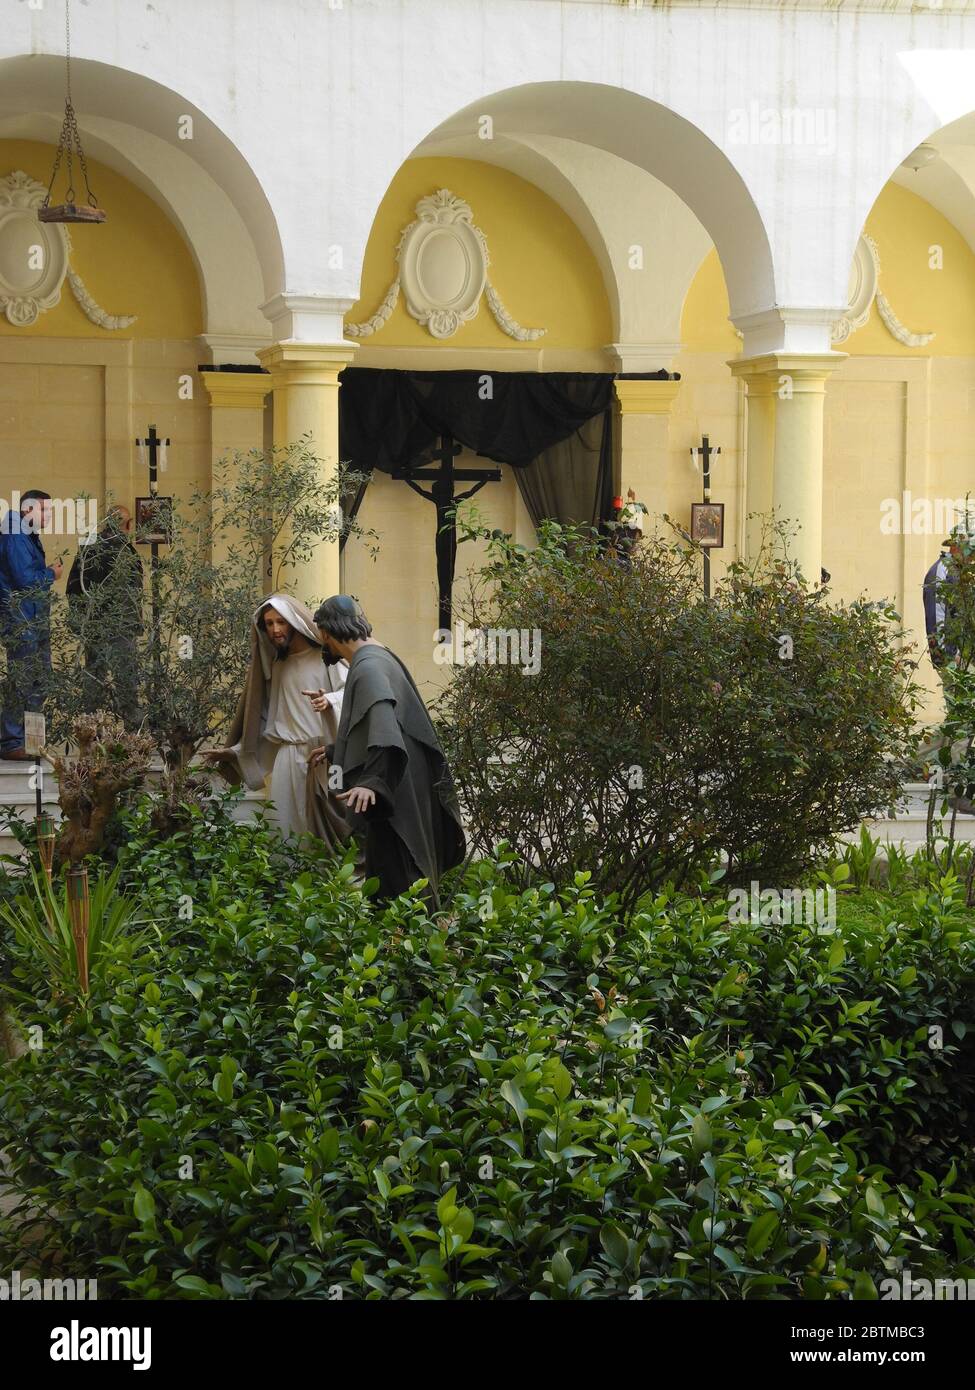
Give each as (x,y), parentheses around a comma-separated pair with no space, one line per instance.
(154,520)
(707,524)
(35,733)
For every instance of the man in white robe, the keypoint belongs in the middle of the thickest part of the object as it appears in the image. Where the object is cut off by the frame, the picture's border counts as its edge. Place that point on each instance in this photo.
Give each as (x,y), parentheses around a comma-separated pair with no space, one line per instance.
(275,730)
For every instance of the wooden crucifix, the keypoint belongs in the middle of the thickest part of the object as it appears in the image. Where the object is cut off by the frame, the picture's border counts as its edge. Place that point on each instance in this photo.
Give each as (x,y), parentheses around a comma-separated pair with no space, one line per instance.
(442,495)
(152,525)
(710,513)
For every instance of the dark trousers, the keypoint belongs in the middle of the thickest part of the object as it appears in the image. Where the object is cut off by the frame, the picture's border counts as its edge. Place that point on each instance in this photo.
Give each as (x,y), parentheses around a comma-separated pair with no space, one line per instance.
(388,859)
(28,664)
(112,676)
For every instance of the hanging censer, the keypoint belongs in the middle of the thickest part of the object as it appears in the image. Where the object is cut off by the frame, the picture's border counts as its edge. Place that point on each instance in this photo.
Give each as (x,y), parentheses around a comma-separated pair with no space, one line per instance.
(69,144)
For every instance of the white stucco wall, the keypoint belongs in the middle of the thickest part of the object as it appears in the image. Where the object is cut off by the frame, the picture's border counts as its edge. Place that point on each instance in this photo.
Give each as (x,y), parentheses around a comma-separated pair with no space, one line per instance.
(305,108)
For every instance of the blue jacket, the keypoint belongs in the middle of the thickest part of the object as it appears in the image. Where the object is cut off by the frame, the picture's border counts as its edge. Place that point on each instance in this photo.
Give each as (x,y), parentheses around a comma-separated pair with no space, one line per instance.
(938,607)
(22,567)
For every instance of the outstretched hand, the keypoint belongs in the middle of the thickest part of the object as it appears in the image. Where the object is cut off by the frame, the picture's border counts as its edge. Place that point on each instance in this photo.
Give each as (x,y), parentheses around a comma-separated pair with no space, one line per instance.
(359,799)
(319,699)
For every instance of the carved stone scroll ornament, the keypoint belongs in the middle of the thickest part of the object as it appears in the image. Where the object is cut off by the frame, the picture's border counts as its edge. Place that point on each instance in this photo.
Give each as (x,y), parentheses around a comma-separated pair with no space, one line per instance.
(35,259)
(443,263)
(864,289)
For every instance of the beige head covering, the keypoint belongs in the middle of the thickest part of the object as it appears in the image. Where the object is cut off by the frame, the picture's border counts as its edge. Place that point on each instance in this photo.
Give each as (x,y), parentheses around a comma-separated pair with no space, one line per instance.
(293,612)
(245,731)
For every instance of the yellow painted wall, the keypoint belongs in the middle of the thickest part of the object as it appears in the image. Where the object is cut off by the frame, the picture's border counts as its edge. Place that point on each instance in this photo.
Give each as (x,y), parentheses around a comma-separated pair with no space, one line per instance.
(541,266)
(905,228)
(134,263)
(705,325)
(73,396)
(896,417)
(926,300)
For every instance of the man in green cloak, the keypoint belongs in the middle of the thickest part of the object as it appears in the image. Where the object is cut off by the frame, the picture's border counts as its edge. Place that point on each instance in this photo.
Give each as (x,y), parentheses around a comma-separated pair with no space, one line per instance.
(397,788)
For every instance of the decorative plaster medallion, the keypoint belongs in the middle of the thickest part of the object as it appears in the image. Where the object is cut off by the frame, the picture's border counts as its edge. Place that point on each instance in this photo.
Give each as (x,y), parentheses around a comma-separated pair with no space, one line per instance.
(443,263)
(863,290)
(34,259)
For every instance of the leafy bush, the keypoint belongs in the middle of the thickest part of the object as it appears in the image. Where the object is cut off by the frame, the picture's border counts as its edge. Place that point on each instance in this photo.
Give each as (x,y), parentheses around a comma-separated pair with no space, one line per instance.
(664,730)
(307,1096)
(874,1014)
(39,922)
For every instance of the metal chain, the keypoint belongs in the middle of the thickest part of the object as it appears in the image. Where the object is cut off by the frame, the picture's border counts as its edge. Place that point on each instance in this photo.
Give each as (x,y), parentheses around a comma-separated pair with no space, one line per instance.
(68,129)
(69,140)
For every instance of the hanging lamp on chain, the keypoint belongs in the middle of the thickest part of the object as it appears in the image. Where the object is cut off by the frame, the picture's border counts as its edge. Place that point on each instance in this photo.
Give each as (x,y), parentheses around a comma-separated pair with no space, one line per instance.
(69,144)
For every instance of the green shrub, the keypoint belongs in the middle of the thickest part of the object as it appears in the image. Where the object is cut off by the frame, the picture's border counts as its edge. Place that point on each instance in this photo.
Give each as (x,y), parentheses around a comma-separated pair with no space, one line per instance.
(665,731)
(524,1097)
(39,921)
(876,1013)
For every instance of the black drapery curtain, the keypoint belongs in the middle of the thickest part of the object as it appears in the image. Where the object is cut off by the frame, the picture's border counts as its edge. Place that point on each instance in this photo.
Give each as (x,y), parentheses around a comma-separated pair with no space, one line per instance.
(555,428)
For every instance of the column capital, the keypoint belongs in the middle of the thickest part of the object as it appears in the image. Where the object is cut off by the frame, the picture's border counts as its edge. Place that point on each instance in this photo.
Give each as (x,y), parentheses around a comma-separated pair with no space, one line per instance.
(646,397)
(237,390)
(234,348)
(310,364)
(307,318)
(806,370)
(803,328)
(643,357)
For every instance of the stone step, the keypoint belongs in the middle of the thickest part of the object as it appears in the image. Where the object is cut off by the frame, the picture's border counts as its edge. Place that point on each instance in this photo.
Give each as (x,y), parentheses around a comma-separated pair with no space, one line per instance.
(18,796)
(908,827)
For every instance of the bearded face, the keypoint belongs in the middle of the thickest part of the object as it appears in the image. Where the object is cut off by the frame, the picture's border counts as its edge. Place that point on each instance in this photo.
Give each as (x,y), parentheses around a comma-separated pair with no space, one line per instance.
(278,631)
(329,655)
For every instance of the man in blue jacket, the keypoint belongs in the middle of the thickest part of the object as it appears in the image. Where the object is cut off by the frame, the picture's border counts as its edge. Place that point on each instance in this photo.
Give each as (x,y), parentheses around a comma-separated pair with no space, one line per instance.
(25,624)
(936,607)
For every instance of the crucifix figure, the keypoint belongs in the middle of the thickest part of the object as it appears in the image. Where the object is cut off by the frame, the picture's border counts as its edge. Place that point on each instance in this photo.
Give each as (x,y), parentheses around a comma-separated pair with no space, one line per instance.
(705,453)
(442,495)
(156,450)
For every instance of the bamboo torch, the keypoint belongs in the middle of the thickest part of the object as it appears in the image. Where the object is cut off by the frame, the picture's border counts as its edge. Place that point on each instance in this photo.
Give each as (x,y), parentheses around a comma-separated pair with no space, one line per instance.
(45,843)
(79,906)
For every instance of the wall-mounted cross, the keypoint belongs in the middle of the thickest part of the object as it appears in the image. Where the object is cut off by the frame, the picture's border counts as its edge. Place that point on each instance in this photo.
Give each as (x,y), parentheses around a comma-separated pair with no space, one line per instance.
(442,495)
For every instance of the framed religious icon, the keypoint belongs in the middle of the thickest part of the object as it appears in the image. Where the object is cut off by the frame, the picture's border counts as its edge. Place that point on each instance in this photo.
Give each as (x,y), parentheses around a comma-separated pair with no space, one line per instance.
(35,733)
(154,520)
(707,524)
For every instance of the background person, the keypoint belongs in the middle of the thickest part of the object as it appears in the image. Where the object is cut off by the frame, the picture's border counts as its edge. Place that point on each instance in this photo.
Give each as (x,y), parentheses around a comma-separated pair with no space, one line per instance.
(105,611)
(937,606)
(25,616)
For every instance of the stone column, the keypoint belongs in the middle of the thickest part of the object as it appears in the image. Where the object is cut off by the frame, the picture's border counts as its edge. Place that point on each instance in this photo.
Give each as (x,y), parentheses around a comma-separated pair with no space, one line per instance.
(236,423)
(786,394)
(304,379)
(645,440)
(761,387)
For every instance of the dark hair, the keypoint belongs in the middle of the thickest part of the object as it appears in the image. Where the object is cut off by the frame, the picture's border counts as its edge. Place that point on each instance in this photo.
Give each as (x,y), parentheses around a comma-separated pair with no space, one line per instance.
(343,619)
(34,495)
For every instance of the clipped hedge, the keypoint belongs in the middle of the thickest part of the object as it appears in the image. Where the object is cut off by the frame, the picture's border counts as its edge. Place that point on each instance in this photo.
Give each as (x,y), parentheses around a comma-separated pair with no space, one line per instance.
(295,1094)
